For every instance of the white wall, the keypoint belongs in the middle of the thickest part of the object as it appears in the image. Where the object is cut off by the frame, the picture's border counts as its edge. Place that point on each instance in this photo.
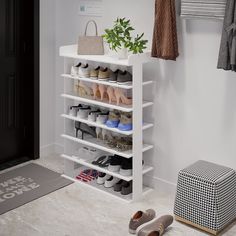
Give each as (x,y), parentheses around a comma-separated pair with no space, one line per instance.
(195,104)
(47,76)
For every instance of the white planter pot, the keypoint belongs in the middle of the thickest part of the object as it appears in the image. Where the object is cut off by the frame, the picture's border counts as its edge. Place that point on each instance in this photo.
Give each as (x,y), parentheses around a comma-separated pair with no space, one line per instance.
(119,54)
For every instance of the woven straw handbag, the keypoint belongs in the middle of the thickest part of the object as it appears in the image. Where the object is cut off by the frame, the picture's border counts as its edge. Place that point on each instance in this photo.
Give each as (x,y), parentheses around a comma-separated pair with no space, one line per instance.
(90,45)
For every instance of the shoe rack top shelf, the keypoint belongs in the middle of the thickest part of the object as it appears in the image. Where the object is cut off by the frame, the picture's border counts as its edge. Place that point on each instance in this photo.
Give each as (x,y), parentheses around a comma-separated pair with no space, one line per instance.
(146,169)
(70,51)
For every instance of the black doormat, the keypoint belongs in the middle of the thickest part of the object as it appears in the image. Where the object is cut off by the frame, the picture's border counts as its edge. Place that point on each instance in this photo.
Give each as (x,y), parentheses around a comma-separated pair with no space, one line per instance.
(27,183)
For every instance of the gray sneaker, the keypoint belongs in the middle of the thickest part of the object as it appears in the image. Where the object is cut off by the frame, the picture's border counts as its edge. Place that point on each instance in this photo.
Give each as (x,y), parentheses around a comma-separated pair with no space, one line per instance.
(113,76)
(124,77)
(140,218)
(156,227)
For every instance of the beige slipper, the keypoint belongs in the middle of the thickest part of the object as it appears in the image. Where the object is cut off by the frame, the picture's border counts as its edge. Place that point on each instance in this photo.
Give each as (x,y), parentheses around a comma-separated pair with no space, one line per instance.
(140,218)
(155,227)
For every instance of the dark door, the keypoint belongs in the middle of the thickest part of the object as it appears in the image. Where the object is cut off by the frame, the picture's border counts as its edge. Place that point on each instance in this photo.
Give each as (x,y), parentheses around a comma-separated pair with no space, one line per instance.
(18,80)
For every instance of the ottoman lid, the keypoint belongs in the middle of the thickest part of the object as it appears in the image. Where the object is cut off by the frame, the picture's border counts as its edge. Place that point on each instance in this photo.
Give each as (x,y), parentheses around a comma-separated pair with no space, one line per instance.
(208,171)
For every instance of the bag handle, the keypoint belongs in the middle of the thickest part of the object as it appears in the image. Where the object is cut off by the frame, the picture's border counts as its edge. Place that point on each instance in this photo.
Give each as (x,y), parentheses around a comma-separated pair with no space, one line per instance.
(86,28)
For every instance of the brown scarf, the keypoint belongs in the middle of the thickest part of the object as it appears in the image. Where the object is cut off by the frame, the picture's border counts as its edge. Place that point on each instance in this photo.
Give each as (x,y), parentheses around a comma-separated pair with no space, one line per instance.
(165,41)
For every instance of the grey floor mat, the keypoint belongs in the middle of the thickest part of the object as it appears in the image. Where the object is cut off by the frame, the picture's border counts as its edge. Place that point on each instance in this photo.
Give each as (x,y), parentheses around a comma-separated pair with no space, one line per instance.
(27,183)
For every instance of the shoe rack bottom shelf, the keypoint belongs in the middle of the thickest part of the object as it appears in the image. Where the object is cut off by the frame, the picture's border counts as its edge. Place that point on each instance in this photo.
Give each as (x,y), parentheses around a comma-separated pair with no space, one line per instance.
(109,191)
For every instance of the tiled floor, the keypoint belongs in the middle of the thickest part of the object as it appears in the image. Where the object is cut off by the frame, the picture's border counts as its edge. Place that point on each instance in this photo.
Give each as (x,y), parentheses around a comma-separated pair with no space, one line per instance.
(78,211)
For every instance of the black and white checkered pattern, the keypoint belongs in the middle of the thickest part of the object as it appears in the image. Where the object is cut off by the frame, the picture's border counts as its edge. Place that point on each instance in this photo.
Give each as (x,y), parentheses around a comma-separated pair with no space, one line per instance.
(206,195)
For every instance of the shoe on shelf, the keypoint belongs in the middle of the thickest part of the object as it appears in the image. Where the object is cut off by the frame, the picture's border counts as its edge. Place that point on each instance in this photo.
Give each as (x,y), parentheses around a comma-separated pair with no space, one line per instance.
(84,90)
(103,74)
(140,218)
(92,116)
(95,91)
(111,94)
(88,154)
(113,119)
(84,129)
(126,168)
(102,177)
(127,188)
(121,97)
(83,113)
(155,227)
(87,175)
(109,183)
(124,144)
(115,163)
(118,186)
(84,71)
(125,122)
(99,159)
(106,135)
(103,91)
(113,76)
(124,77)
(106,162)
(94,73)
(75,70)
(102,118)
(73,110)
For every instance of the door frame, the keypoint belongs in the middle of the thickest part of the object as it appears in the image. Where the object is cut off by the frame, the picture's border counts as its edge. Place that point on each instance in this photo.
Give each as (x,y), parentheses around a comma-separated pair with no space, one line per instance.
(36,151)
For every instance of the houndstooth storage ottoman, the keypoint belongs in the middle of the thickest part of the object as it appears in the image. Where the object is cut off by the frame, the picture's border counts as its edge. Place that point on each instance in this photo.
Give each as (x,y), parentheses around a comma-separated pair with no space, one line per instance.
(206,196)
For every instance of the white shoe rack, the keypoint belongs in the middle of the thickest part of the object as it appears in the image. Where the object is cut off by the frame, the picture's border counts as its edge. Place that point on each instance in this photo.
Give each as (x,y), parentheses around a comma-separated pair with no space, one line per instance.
(74,164)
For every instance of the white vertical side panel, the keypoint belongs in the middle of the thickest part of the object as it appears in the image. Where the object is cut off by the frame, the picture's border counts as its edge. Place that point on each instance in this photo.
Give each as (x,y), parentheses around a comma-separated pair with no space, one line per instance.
(138,132)
(68,165)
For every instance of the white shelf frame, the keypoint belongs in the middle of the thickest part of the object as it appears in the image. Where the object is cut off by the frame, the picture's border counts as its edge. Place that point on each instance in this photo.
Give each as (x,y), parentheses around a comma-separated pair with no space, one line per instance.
(145,170)
(125,108)
(136,62)
(99,144)
(145,125)
(107,191)
(115,85)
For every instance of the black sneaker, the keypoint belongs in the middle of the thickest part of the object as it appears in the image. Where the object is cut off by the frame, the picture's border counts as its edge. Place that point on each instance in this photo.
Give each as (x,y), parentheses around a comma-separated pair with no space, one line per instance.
(118,186)
(115,163)
(126,167)
(124,77)
(113,76)
(127,188)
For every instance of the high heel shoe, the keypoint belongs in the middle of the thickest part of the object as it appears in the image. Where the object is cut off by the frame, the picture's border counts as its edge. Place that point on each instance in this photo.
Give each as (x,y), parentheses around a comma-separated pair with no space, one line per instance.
(99,132)
(102,89)
(95,91)
(84,90)
(120,97)
(111,95)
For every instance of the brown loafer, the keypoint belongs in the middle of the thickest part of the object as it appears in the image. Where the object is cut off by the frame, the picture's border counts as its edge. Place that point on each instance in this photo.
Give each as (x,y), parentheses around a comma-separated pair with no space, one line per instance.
(156,227)
(140,218)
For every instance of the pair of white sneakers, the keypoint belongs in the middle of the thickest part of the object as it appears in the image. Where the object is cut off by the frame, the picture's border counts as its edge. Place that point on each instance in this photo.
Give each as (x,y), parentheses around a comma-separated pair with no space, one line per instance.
(107,180)
(80,70)
(98,117)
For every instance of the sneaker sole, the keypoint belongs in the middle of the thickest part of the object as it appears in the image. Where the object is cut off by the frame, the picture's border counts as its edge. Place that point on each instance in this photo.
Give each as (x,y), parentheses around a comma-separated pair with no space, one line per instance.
(124,83)
(114,168)
(126,172)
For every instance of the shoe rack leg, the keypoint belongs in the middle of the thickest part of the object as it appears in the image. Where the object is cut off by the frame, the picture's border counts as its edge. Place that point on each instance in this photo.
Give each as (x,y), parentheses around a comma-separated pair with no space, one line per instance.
(138,132)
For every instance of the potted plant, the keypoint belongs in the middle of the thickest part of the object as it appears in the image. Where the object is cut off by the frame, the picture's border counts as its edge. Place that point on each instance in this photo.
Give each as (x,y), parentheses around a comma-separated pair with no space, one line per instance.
(120,40)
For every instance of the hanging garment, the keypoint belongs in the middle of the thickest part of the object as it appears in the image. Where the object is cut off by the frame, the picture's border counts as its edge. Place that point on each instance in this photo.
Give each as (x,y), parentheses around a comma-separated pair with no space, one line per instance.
(165,41)
(204,9)
(227,55)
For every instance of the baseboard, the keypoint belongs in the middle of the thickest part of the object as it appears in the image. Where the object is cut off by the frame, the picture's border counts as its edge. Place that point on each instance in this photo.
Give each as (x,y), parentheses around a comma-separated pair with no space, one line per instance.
(160,185)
